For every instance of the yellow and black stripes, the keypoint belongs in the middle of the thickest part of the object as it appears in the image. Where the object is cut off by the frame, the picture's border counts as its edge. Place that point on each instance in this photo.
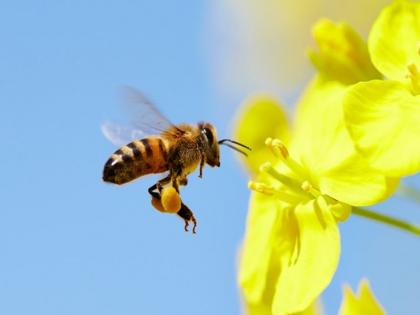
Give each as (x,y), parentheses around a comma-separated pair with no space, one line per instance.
(136,159)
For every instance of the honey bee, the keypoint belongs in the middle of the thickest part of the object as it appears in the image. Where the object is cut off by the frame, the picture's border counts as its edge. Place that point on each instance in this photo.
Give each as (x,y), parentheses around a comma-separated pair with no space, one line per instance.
(155,145)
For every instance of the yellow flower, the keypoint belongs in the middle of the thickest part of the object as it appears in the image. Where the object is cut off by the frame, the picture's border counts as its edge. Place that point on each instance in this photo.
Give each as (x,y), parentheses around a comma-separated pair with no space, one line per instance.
(364,303)
(342,54)
(383,116)
(261,44)
(292,244)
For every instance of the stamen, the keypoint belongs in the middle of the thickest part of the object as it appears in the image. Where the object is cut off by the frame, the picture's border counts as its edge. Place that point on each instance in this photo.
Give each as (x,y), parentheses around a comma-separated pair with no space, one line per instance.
(287,181)
(280,150)
(277,147)
(307,186)
(261,188)
(270,191)
(414,76)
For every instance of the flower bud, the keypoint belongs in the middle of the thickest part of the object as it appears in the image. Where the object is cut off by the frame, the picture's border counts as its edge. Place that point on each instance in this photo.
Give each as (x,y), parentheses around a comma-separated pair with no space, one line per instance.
(342,54)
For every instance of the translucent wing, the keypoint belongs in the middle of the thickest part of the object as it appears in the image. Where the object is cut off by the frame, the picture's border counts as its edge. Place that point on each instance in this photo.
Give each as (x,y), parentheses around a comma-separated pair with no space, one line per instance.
(143,113)
(145,119)
(120,135)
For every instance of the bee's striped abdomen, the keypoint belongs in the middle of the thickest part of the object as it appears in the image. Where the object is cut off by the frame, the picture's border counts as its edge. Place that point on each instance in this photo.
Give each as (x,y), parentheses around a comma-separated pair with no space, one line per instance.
(138,158)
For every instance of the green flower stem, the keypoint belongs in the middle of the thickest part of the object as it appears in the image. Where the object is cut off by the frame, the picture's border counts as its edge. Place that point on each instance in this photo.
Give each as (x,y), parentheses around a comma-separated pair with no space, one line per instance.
(400,224)
(409,192)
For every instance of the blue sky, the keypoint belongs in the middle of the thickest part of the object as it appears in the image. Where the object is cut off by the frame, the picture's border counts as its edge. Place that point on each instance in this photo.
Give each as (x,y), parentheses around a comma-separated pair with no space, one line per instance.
(71,244)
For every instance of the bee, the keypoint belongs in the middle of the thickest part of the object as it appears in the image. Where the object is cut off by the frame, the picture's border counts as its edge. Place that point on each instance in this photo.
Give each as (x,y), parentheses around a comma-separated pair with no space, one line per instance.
(155,145)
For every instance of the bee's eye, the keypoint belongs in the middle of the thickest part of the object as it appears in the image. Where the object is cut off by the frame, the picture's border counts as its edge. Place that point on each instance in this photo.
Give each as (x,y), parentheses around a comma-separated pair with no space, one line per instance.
(209,135)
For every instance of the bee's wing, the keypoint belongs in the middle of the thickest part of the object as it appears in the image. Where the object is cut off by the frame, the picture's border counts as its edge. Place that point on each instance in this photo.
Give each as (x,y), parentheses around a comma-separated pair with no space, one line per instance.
(145,120)
(143,113)
(120,135)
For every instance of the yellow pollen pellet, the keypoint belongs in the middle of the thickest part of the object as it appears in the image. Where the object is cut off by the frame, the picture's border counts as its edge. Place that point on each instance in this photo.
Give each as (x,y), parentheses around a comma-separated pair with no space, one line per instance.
(157,204)
(170,199)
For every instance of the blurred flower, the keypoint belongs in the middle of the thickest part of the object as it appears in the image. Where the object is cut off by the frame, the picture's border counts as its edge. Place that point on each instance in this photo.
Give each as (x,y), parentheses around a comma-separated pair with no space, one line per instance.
(261,45)
(364,303)
(342,54)
(383,116)
(292,243)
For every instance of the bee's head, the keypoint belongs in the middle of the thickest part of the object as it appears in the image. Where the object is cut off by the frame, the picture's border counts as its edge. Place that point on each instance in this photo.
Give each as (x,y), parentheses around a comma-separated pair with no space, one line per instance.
(209,138)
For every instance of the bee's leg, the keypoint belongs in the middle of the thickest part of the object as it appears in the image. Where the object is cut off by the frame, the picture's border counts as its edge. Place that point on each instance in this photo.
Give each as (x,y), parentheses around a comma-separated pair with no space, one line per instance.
(183,181)
(202,163)
(186,214)
(157,188)
(152,191)
(163,182)
(175,175)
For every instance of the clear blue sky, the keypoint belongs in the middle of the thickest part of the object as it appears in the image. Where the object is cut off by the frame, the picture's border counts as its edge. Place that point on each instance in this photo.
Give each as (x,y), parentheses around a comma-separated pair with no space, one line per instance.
(70,244)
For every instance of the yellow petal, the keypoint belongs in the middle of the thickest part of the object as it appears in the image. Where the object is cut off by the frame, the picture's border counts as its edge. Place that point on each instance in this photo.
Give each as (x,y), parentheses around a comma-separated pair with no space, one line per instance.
(258,309)
(356,183)
(314,261)
(383,119)
(263,217)
(314,309)
(265,309)
(393,40)
(320,139)
(368,299)
(260,117)
(342,54)
(363,304)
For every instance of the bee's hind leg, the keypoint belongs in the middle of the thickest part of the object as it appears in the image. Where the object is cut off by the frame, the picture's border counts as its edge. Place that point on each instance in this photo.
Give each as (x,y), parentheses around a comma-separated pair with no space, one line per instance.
(154,191)
(186,214)
(159,185)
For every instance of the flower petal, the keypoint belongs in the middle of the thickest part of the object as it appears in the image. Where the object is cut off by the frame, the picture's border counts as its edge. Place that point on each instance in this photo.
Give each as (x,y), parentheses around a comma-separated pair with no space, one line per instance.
(366,303)
(356,183)
(393,40)
(314,262)
(320,139)
(260,117)
(257,250)
(258,309)
(314,309)
(368,300)
(383,119)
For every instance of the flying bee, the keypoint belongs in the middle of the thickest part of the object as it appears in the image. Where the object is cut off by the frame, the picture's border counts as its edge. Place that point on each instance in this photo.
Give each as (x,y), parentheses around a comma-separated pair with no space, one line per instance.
(155,145)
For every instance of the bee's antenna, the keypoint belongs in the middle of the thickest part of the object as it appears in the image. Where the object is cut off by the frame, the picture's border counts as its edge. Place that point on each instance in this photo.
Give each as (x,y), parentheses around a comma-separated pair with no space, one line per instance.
(223,142)
(235,142)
